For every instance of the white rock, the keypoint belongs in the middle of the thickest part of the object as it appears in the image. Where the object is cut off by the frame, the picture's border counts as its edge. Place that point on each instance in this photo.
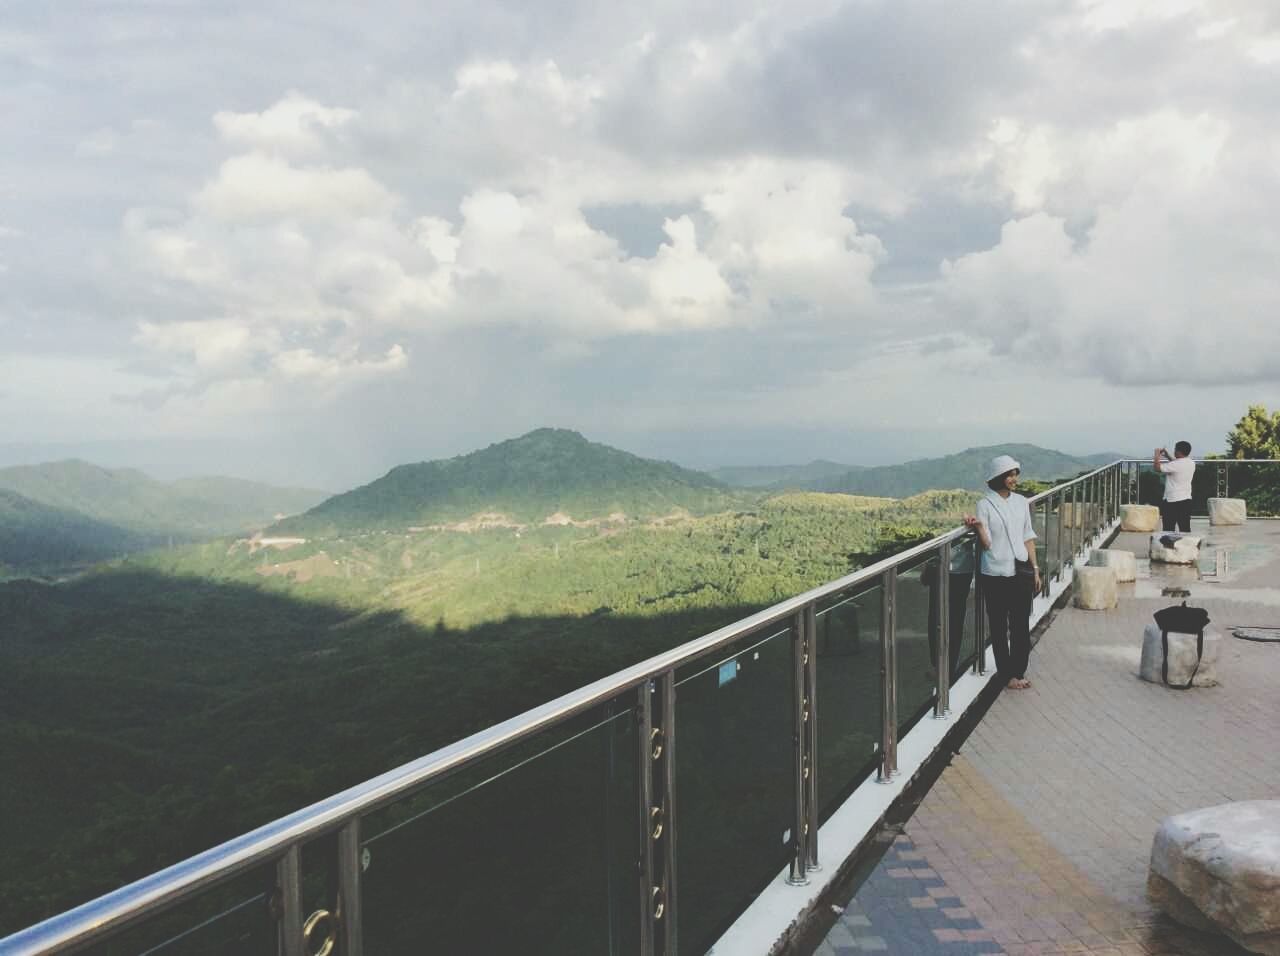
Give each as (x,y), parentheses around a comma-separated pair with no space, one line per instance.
(1185,550)
(1218,868)
(1139,517)
(1227,511)
(1123,563)
(1095,588)
(1182,657)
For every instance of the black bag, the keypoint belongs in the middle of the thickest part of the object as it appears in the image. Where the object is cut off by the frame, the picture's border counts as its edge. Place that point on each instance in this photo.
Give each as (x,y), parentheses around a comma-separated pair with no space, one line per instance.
(1025,570)
(1181,619)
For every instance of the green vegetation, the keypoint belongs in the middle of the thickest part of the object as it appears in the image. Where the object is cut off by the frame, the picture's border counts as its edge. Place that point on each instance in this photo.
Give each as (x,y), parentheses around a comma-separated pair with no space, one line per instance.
(61,516)
(961,470)
(528,479)
(1256,435)
(37,538)
(171,700)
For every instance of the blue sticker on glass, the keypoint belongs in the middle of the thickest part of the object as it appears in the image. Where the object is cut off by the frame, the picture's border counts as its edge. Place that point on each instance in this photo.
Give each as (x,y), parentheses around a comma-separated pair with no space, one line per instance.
(728,672)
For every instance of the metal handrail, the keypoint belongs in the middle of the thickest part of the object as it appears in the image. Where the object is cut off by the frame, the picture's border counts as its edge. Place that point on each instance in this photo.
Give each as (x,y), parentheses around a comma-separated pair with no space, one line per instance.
(131,903)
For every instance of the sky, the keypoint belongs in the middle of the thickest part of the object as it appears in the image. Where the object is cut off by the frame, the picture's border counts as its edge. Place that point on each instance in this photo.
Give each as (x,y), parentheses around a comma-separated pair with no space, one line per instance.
(306,242)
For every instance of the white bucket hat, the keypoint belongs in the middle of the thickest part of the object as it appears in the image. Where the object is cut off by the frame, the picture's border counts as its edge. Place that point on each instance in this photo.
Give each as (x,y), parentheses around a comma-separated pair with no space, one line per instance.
(999,465)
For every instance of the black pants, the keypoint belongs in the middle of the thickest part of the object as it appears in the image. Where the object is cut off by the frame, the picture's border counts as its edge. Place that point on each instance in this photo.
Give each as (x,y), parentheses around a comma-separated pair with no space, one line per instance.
(957,603)
(1008,603)
(1176,515)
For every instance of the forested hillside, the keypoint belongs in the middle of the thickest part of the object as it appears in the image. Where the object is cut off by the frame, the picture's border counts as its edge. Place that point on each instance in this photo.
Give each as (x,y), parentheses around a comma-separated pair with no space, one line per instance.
(62,516)
(529,479)
(171,700)
(37,537)
(961,470)
(187,509)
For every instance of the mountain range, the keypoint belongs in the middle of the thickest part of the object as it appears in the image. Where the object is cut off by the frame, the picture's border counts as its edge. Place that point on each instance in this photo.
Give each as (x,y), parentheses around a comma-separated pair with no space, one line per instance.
(548,474)
(72,512)
(964,470)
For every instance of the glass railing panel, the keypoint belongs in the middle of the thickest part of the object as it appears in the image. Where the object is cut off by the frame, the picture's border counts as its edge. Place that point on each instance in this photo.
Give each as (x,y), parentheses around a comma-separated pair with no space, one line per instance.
(531,850)
(1052,530)
(849,662)
(735,792)
(1039,525)
(961,607)
(236,917)
(916,609)
(1258,484)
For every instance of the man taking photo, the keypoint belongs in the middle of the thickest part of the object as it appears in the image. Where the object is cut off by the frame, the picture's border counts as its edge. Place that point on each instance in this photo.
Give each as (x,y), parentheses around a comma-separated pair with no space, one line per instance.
(1175,509)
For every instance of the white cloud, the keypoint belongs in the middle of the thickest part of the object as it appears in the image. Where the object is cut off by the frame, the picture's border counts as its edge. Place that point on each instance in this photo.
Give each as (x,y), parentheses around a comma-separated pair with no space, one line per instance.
(295,125)
(255,186)
(425,205)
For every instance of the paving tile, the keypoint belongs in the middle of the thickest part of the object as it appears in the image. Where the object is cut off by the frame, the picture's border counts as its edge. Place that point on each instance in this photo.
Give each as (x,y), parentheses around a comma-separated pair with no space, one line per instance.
(1035,840)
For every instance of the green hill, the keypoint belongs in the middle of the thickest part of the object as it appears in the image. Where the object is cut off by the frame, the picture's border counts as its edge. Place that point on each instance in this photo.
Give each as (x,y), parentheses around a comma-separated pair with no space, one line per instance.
(961,470)
(37,537)
(547,472)
(187,509)
(763,476)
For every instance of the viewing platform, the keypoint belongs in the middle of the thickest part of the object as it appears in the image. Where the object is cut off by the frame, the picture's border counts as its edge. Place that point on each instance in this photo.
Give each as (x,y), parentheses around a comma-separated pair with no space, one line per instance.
(732,794)
(1036,839)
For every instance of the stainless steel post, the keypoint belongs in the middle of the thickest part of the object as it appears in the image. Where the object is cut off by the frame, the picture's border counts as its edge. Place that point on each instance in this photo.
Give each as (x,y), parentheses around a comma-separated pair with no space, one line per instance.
(667,693)
(811,725)
(942,662)
(350,918)
(289,887)
(800,855)
(1058,497)
(979,611)
(888,677)
(647,742)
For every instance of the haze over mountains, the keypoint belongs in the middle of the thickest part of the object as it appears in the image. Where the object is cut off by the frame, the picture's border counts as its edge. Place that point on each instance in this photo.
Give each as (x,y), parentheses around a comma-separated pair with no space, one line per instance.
(962,470)
(72,512)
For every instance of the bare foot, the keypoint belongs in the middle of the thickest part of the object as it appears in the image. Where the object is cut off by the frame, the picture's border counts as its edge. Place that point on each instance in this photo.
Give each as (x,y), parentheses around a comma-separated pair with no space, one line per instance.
(1014,684)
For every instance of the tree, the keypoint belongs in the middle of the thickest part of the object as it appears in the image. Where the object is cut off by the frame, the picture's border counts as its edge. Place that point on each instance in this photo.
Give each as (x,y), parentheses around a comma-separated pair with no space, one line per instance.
(1256,435)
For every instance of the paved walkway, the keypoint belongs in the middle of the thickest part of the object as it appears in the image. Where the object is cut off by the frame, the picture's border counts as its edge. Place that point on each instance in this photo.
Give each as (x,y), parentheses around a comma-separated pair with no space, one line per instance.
(1036,839)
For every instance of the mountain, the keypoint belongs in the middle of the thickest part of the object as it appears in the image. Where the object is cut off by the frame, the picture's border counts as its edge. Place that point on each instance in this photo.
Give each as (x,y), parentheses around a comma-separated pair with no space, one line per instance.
(961,470)
(762,476)
(35,536)
(548,472)
(186,509)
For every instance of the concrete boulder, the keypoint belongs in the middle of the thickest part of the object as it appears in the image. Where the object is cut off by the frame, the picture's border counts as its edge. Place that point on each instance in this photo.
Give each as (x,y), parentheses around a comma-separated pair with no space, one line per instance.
(1218,869)
(1185,550)
(1123,563)
(1139,517)
(1182,658)
(1095,588)
(1227,511)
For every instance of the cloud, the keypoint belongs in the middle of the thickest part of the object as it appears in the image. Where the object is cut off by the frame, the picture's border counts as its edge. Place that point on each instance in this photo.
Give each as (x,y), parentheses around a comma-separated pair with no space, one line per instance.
(663,213)
(295,125)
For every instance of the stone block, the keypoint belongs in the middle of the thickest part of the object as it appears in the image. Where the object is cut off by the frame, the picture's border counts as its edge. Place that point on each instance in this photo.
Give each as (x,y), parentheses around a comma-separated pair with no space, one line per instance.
(1185,550)
(1227,511)
(1218,869)
(1095,588)
(1182,657)
(1139,518)
(1123,563)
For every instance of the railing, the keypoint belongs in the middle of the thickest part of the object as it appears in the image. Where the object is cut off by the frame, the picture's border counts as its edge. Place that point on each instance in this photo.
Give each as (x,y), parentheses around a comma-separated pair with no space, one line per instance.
(531,829)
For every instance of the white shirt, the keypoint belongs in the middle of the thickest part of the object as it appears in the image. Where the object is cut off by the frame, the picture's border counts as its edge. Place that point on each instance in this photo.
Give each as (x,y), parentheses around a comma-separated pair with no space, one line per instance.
(997,514)
(1177,478)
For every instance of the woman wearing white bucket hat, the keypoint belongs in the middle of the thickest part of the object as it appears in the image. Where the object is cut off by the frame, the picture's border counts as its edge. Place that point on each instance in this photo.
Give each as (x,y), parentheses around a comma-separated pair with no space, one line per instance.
(1010,576)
